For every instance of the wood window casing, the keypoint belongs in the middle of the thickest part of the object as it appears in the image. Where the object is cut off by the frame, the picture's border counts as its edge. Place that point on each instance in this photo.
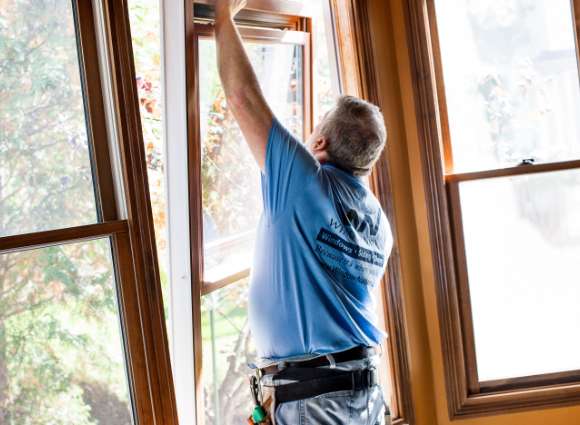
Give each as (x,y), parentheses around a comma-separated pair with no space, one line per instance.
(358,78)
(131,236)
(466,394)
(357,75)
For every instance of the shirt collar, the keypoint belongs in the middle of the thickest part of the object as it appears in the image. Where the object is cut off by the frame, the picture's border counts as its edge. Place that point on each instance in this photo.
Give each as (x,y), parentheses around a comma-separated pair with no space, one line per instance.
(344,170)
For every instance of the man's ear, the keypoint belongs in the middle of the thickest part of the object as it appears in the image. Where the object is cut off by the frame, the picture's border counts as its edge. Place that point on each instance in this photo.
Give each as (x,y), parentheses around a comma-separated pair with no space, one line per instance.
(320,144)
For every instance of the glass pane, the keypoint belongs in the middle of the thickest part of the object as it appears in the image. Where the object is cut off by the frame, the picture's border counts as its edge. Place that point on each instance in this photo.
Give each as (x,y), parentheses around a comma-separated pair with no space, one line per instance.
(145,35)
(45,168)
(230,177)
(522,238)
(511,80)
(227,350)
(326,85)
(61,348)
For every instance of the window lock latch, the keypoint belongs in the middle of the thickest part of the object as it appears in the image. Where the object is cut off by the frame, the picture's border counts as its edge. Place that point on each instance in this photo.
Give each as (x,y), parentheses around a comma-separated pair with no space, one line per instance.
(527,161)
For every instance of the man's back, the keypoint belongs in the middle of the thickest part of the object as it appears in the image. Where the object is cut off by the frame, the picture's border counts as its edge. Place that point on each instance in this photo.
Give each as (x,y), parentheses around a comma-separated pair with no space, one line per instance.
(322,246)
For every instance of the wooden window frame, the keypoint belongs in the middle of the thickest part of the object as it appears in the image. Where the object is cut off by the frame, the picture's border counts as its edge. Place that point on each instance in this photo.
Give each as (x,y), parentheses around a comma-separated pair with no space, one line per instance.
(264,36)
(282,24)
(357,76)
(466,395)
(131,237)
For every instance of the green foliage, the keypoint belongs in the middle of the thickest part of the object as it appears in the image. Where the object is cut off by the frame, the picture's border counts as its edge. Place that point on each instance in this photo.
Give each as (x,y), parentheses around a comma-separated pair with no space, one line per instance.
(45,174)
(57,327)
(58,309)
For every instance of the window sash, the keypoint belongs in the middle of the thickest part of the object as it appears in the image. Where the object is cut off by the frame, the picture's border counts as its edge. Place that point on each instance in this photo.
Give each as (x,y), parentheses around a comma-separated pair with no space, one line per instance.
(133,247)
(273,15)
(453,181)
(466,395)
(205,30)
(95,110)
(442,110)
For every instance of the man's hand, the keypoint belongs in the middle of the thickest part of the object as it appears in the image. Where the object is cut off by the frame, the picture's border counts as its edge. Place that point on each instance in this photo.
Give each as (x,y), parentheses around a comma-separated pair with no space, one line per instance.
(228,9)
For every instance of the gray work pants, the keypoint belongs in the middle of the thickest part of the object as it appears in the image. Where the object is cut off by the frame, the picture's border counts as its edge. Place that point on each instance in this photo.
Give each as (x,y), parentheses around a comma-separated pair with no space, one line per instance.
(364,407)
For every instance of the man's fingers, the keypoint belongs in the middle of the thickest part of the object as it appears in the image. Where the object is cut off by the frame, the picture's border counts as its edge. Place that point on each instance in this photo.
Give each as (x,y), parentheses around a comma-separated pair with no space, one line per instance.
(238,6)
(229,7)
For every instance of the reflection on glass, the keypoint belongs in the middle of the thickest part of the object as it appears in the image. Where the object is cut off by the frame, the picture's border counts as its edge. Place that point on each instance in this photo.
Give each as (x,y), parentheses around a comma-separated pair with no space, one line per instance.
(325,84)
(230,177)
(227,350)
(511,79)
(522,237)
(60,342)
(145,36)
(45,170)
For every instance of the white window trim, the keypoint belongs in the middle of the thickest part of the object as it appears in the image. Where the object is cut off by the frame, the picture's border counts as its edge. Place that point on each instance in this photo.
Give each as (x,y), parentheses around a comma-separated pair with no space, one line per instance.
(180,326)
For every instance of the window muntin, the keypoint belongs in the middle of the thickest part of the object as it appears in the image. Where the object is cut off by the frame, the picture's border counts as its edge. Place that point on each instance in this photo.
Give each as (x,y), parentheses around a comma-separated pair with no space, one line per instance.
(231,192)
(46,178)
(60,340)
(511,82)
(522,239)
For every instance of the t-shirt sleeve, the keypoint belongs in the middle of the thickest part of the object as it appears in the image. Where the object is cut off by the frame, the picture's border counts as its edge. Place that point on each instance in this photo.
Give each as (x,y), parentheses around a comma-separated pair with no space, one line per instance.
(289,169)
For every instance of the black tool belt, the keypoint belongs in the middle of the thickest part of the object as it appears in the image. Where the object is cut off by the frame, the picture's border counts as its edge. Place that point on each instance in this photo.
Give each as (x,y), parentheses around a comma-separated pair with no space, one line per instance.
(312,382)
(356,353)
(311,377)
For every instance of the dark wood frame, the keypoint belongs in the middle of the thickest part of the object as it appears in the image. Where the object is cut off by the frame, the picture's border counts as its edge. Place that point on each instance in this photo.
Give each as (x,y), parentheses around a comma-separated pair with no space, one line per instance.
(359,78)
(466,395)
(132,241)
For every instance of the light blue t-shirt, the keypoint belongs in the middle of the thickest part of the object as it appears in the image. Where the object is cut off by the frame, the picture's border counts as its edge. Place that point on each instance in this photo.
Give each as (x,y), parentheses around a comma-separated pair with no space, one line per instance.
(322,246)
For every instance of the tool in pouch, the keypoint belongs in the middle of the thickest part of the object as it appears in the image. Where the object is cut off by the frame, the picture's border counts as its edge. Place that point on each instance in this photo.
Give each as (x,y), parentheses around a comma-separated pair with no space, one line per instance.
(259,415)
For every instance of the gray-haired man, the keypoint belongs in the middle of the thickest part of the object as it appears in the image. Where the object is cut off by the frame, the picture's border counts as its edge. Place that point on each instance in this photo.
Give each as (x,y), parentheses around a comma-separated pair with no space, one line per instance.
(322,246)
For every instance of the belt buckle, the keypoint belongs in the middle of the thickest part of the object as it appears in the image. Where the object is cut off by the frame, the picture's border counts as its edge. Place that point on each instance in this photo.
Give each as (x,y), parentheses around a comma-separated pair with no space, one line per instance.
(372,377)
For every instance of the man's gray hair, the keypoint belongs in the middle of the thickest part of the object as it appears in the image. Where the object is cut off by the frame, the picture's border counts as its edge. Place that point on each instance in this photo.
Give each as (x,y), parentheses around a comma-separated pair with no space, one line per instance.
(356,134)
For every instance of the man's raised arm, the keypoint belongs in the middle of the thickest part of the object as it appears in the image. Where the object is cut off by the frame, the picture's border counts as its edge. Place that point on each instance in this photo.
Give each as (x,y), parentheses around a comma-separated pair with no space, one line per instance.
(243,93)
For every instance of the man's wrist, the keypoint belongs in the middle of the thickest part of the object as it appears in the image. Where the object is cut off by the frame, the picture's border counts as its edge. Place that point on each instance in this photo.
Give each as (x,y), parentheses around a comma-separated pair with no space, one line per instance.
(223,18)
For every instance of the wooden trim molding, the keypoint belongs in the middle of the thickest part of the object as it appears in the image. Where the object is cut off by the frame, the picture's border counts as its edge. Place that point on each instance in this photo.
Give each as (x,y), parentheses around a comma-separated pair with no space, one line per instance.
(358,78)
(149,363)
(466,396)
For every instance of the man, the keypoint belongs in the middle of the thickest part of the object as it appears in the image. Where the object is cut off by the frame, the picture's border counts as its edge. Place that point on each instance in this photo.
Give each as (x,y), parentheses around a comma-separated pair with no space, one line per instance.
(322,246)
